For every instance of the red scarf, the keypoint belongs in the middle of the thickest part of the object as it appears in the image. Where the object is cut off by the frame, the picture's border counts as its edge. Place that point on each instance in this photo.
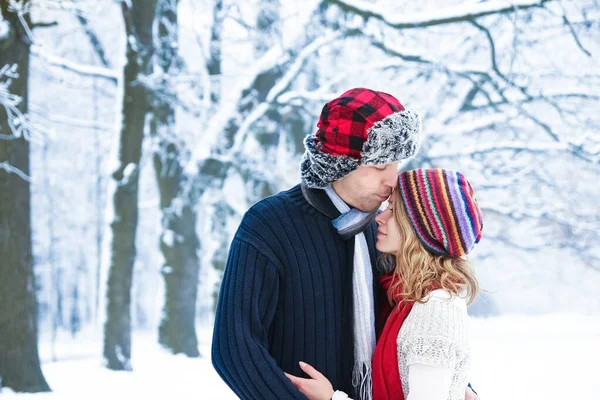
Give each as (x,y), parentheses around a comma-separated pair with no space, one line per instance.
(386,376)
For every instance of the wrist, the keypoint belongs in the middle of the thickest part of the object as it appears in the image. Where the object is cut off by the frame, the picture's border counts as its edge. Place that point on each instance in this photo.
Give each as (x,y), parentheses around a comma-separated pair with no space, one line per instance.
(339,395)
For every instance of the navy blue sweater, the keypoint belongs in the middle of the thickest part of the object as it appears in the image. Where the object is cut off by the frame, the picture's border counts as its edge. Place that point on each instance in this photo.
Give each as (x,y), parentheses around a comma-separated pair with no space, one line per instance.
(286,296)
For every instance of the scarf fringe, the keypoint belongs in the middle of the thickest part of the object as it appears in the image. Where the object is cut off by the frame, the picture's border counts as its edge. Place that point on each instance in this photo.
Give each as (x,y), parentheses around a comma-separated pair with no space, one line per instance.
(362,381)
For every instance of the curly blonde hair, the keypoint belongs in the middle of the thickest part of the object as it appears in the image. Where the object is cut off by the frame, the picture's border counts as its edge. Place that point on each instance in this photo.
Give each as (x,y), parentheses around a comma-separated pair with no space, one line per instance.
(416,270)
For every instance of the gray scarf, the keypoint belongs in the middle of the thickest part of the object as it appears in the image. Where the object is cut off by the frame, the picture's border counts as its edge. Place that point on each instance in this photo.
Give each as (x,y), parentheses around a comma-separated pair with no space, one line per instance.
(353,222)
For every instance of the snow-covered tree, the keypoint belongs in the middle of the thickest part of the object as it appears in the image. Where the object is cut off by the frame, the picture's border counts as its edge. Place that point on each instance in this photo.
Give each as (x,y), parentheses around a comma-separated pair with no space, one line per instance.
(19,360)
(179,241)
(138,19)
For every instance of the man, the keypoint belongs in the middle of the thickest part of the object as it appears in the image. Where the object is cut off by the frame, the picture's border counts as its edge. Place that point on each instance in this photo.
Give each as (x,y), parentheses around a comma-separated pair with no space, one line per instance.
(298,285)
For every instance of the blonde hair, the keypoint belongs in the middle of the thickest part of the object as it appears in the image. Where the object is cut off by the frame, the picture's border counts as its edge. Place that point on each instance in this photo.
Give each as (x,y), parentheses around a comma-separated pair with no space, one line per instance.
(417,271)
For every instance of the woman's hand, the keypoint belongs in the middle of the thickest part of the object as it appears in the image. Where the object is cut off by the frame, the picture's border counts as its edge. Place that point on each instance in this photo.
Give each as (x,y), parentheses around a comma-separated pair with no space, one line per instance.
(317,388)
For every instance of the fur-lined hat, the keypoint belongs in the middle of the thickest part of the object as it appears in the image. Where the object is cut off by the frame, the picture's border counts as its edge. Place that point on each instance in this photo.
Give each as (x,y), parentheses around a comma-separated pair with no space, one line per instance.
(361,127)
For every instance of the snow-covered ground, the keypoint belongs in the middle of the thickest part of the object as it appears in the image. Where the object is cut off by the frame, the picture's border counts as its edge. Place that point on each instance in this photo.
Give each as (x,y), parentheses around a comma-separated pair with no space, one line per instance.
(514,357)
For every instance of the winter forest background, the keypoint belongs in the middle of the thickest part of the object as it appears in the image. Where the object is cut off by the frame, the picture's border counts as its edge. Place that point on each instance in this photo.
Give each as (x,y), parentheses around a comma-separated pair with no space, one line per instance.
(134,135)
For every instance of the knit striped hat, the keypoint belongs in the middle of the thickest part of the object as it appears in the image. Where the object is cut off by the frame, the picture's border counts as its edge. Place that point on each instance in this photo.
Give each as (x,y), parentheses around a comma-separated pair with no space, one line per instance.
(442,208)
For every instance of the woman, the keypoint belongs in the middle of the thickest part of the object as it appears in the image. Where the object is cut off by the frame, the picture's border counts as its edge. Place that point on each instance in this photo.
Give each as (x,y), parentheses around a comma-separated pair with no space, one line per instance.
(431,224)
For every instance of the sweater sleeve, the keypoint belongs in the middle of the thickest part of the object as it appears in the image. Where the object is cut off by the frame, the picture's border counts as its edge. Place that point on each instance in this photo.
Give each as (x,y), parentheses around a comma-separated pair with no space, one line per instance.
(435,333)
(428,383)
(245,309)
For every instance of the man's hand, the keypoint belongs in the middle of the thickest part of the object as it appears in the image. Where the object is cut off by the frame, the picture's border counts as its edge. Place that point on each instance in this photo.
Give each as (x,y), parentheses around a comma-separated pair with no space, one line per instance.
(317,388)
(470,394)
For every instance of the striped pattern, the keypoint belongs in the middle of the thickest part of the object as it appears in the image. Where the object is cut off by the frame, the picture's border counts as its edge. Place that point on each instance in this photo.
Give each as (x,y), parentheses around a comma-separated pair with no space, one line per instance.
(442,207)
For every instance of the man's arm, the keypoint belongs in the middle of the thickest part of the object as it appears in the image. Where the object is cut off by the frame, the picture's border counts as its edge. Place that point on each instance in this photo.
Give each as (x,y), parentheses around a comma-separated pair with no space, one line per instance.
(245,309)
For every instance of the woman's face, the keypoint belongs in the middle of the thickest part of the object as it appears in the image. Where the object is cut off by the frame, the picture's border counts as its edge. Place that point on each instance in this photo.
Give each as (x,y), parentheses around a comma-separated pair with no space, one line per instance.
(388,235)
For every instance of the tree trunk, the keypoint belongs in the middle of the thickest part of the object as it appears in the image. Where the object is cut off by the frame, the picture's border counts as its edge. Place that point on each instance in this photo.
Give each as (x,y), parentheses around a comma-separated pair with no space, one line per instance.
(268,131)
(117,329)
(179,245)
(213,64)
(179,242)
(268,24)
(19,359)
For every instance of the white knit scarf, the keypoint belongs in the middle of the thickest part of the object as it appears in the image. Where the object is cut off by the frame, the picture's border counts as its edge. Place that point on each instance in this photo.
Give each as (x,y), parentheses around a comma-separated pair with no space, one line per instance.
(362,288)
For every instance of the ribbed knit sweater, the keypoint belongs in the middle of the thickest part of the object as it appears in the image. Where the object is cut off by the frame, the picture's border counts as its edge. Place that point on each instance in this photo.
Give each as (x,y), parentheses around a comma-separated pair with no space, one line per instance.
(286,296)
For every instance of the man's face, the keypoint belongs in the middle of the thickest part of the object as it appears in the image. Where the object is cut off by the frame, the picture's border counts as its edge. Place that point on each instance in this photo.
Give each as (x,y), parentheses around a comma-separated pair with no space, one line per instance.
(368,186)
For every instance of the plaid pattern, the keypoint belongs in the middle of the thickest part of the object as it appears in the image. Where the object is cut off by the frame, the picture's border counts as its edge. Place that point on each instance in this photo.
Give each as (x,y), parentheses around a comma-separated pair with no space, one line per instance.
(443,210)
(361,127)
(345,121)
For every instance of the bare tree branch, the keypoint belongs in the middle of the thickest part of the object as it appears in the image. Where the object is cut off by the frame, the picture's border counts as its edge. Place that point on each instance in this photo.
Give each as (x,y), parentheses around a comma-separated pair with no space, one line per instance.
(10,169)
(44,24)
(498,81)
(492,48)
(460,13)
(567,21)
(575,36)
(85,70)
(94,40)
(18,122)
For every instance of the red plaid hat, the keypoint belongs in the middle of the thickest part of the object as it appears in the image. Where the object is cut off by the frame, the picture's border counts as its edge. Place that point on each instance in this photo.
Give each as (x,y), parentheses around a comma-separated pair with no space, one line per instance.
(361,127)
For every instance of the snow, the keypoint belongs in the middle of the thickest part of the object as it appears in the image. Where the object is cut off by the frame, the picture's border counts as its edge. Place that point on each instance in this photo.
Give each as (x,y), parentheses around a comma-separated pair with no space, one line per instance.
(4,28)
(168,238)
(545,357)
(128,172)
(478,148)
(514,357)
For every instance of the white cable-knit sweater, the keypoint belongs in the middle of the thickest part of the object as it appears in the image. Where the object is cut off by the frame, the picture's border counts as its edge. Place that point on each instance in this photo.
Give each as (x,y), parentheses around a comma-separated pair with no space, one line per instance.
(433,349)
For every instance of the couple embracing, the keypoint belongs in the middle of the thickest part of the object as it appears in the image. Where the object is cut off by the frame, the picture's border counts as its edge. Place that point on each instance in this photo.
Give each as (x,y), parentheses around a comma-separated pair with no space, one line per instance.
(325,296)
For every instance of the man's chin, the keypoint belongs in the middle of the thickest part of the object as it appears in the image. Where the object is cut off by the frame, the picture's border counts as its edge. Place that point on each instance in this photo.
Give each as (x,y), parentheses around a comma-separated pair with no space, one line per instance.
(370,208)
(376,206)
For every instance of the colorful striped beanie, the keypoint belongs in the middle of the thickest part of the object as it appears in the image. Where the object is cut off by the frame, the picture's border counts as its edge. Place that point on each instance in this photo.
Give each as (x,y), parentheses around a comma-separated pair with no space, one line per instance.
(442,208)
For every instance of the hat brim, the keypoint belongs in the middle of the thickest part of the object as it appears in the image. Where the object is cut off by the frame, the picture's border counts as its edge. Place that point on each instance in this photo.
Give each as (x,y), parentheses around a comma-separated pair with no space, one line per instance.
(395,138)
(319,169)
